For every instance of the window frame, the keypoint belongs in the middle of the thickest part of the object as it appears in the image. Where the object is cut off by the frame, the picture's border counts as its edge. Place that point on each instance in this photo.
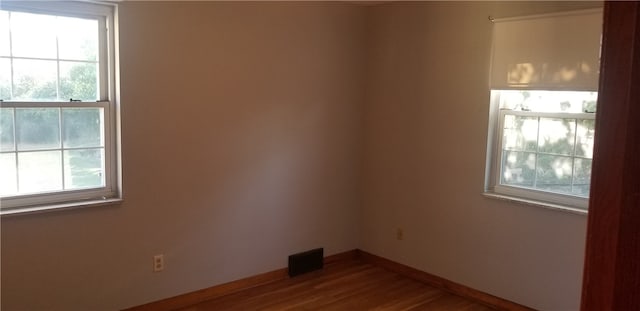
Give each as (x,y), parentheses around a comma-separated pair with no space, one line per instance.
(497,156)
(108,93)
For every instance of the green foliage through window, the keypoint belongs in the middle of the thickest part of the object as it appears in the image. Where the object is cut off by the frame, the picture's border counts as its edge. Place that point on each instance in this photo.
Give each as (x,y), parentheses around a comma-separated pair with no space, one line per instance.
(48,58)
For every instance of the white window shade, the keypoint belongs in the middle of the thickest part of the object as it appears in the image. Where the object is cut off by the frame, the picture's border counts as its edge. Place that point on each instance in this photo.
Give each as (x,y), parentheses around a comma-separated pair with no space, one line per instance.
(547,52)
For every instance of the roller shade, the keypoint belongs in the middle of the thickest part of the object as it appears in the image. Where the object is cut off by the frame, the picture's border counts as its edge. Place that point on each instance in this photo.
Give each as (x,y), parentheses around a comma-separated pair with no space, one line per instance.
(547,52)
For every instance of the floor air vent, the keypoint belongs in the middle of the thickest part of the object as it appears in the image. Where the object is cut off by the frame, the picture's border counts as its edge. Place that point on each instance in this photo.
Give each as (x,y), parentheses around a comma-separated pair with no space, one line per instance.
(304,262)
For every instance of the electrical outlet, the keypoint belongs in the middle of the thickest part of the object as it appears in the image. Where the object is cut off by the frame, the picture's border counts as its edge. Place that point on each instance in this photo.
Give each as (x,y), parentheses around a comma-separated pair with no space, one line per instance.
(399,234)
(158,263)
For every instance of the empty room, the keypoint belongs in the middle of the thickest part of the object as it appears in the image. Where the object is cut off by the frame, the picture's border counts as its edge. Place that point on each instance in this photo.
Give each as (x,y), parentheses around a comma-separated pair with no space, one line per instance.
(231,155)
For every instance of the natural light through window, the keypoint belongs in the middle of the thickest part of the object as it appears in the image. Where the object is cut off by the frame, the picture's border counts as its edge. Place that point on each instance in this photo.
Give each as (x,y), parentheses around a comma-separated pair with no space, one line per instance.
(57,115)
(48,58)
(547,140)
(50,149)
(544,89)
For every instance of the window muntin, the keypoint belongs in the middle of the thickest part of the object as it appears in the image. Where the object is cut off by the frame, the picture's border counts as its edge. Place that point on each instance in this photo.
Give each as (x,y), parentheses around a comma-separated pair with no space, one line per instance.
(53,149)
(547,151)
(544,145)
(58,112)
(49,57)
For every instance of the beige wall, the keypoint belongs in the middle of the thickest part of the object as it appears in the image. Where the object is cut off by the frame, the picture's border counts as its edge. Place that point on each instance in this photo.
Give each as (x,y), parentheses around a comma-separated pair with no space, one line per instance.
(424,160)
(241,139)
(246,139)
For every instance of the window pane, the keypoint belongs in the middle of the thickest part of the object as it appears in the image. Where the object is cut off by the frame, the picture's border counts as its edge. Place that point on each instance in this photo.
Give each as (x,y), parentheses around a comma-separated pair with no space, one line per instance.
(38,128)
(554,173)
(518,169)
(585,133)
(40,171)
(78,81)
(556,136)
(590,104)
(77,38)
(582,177)
(34,80)
(8,181)
(5,78)
(33,35)
(520,133)
(82,127)
(548,101)
(7,142)
(4,33)
(84,168)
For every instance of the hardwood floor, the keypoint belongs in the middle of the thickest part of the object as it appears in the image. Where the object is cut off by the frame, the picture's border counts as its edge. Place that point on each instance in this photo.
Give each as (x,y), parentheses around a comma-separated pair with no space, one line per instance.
(351,285)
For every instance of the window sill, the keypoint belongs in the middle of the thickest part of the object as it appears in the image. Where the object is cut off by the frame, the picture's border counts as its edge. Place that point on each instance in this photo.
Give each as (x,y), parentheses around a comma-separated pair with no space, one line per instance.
(58,207)
(556,207)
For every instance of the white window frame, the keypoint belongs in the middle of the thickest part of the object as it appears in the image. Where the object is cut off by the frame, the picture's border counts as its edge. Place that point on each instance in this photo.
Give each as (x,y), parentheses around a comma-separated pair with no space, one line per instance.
(108,100)
(496,156)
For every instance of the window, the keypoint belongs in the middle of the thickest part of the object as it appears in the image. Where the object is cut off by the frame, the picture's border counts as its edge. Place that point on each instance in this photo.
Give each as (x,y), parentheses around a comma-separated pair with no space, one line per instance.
(545,145)
(58,115)
(543,107)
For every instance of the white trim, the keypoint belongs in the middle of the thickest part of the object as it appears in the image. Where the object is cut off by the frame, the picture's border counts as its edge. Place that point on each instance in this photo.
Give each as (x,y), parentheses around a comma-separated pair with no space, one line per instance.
(535,203)
(542,196)
(62,8)
(58,207)
(50,104)
(103,59)
(543,87)
(559,115)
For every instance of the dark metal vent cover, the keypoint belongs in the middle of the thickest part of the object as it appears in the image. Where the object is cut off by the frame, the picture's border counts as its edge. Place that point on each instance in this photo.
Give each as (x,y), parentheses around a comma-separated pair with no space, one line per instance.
(304,262)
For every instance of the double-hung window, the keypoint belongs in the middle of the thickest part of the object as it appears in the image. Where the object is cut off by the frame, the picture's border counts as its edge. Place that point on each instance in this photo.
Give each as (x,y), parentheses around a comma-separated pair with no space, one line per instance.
(544,80)
(58,115)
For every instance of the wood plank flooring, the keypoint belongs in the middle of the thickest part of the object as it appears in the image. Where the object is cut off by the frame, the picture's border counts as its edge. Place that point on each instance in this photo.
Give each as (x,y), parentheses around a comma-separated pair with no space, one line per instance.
(351,285)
